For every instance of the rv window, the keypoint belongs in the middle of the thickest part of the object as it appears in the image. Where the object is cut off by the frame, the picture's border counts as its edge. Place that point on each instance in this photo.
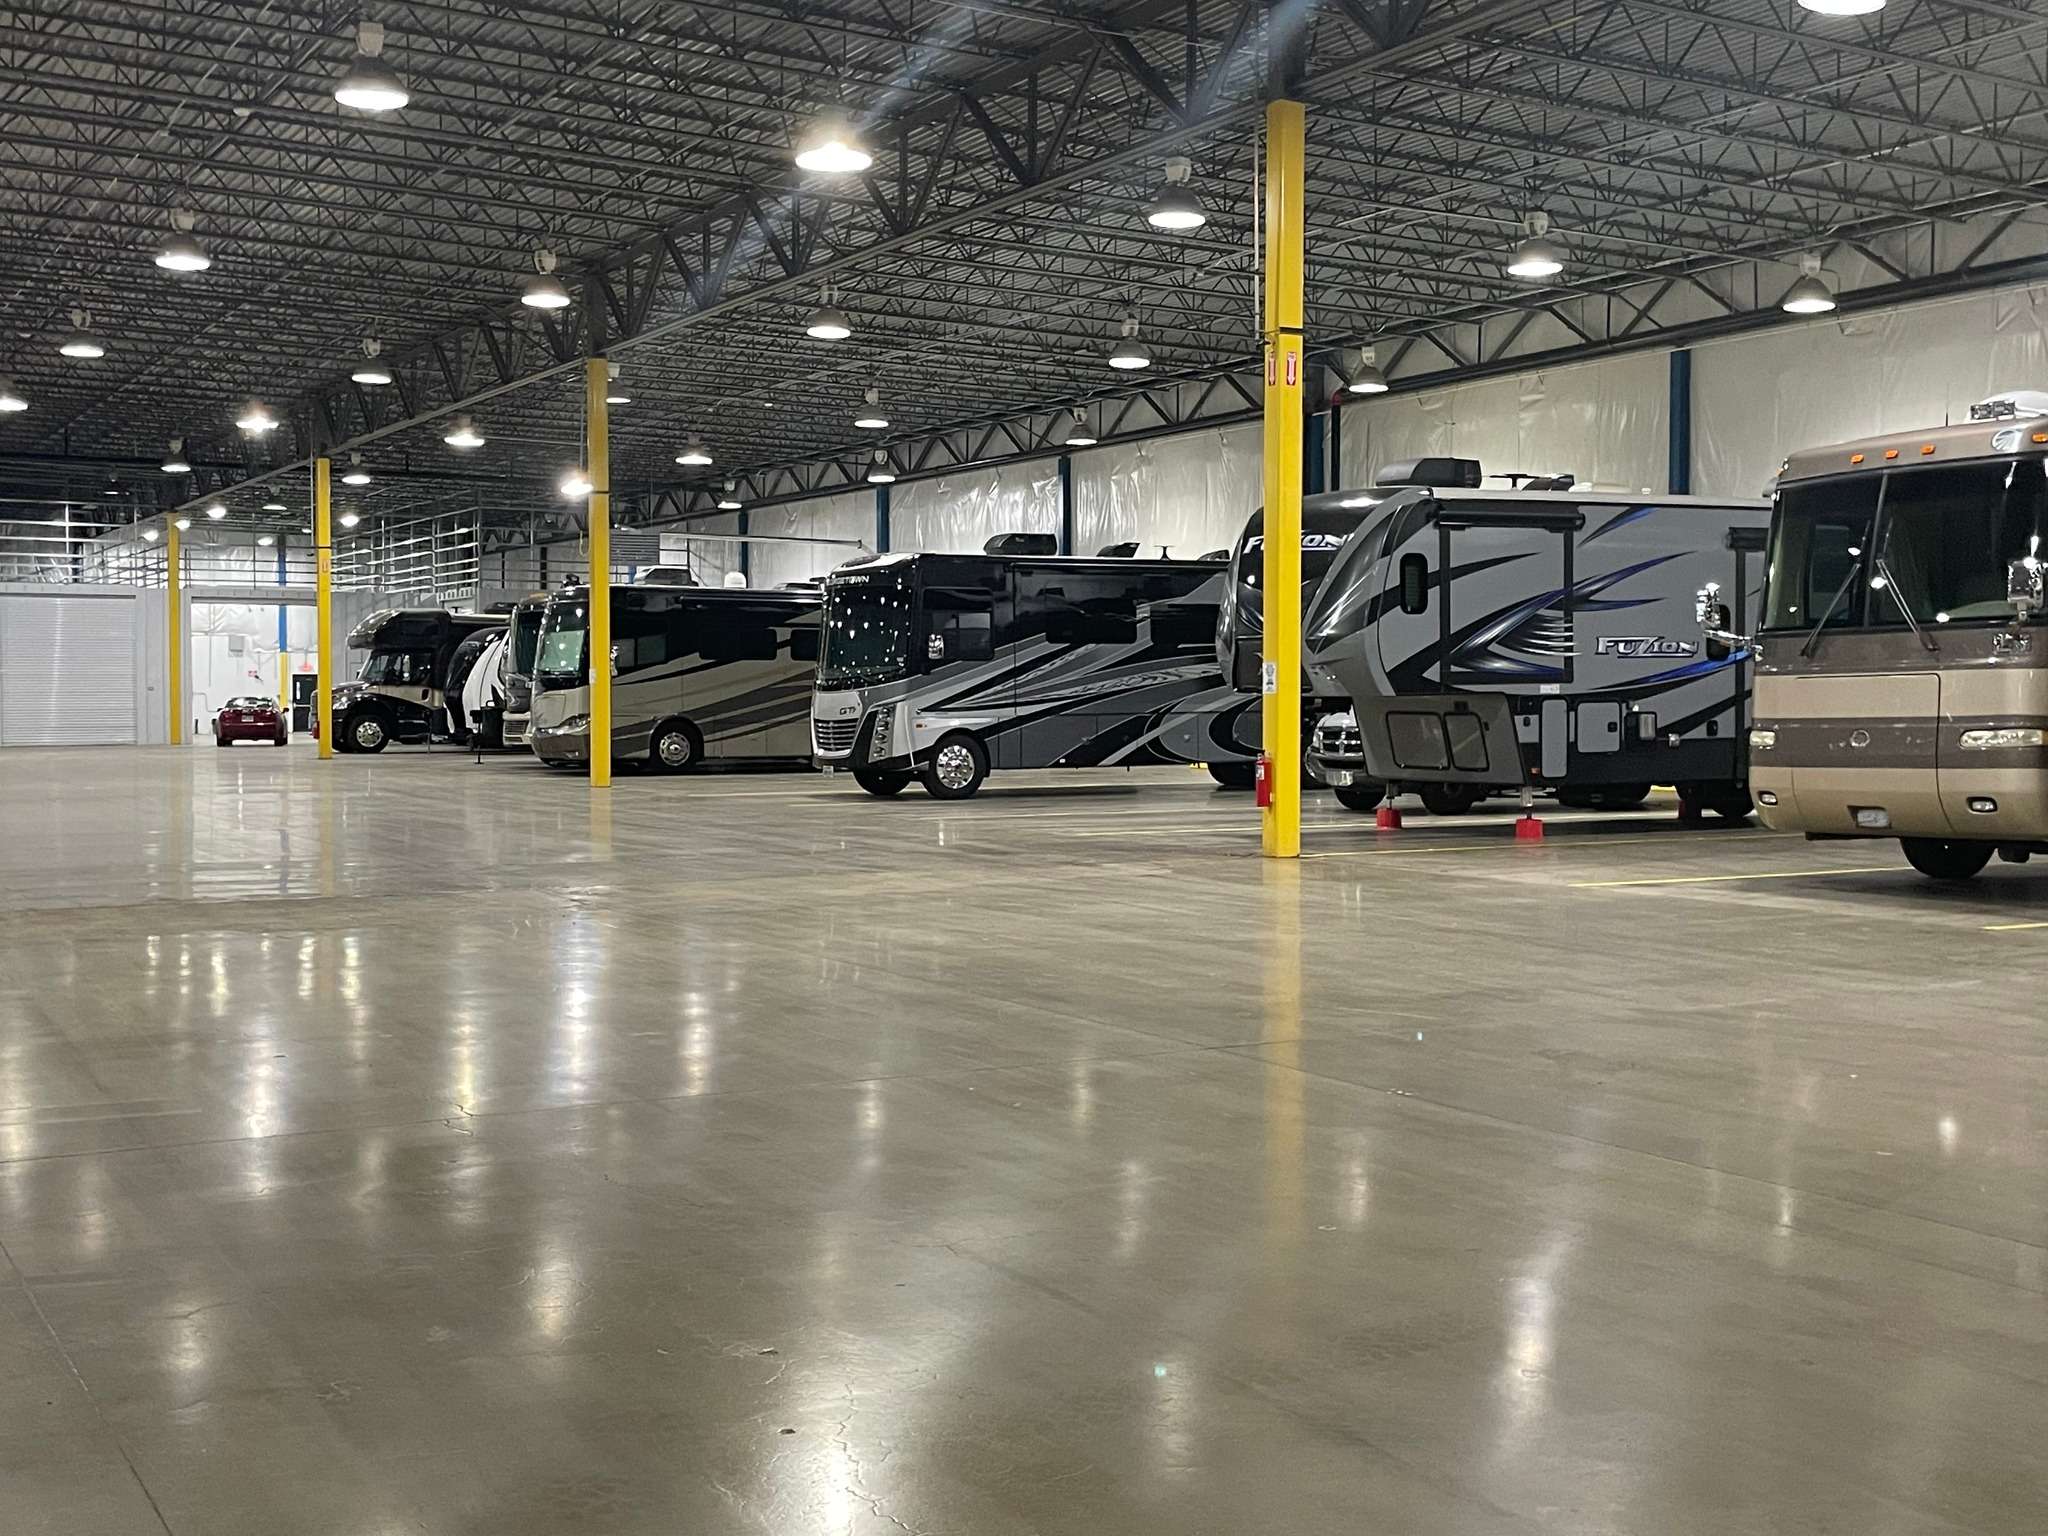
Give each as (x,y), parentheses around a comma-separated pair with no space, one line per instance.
(1949,534)
(1819,537)
(1183,625)
(966,636)
(739,638)
(803,643)
(1414,583)
(639,634)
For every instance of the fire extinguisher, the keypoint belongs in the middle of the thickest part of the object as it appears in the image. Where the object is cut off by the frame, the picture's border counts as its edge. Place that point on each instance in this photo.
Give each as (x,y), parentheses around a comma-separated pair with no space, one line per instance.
(1262,783)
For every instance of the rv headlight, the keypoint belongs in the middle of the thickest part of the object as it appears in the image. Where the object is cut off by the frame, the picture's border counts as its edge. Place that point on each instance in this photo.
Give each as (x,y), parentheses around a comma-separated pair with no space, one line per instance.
(1762,740)
(575,723)
(2006,736)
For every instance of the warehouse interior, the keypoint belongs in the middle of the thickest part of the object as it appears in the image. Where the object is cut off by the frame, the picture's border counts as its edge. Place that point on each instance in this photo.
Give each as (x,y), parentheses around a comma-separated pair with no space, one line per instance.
(606,1123)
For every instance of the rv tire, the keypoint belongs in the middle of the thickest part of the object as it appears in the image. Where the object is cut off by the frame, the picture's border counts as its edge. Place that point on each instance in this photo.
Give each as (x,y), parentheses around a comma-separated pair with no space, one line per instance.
(1360,797)
(1233,775)
(955,768)
(368,731)
(1731,802)
(881,785)
(1449,799)
(1944,858)
(674,747)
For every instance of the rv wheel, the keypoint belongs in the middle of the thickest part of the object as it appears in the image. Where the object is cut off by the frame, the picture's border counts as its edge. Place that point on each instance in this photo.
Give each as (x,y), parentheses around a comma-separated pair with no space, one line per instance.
(366,733)
(674,748)
(881,785)
(1234,775)
(1448,799)
(1360,797)
(1730,802)
(1943,858)
(956,767)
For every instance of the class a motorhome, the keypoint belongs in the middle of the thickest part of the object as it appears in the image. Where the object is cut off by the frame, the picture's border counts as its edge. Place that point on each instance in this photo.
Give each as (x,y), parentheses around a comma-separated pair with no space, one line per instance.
(1901,661)
(398,694)
(942,668)
(1535,640)
(522,645)
(699,675)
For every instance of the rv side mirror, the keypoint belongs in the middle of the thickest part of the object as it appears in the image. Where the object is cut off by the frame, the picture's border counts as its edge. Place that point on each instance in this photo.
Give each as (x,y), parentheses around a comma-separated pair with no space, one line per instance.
(2024,579)
(935,647)
(1715,621)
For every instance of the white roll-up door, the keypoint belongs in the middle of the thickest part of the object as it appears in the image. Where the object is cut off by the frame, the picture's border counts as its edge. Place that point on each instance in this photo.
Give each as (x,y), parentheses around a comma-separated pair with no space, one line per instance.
(68,669)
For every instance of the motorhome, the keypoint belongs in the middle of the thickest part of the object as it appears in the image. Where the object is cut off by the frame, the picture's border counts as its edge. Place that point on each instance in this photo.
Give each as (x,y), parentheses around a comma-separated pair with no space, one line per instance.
(1901,661)
(944,667)
(1535,640)
(699,675)
(522,645)
(399,692)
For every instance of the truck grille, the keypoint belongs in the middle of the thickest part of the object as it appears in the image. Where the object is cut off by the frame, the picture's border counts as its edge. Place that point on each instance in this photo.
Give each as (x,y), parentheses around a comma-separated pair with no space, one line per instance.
(1339,741)
(834,738)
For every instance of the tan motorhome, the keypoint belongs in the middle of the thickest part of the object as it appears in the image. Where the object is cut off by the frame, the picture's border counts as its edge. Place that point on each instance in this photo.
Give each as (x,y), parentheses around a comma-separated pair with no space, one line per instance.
(1901,664)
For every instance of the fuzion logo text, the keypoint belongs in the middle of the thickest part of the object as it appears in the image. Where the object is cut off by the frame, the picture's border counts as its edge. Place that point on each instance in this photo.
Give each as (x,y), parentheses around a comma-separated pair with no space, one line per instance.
(1645,645)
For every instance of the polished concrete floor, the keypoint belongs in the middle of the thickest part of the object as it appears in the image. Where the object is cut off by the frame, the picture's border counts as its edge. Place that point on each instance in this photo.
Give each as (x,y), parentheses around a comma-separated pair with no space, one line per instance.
(410,1145)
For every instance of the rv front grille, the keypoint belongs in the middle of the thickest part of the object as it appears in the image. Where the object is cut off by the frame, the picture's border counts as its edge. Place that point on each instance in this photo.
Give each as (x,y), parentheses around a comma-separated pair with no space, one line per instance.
(1339,741)
(834,738)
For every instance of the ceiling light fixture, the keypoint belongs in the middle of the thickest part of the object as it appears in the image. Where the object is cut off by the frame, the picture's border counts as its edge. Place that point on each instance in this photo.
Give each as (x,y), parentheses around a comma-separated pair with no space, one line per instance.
(175,462)
(1129,352)
(831,147)
(181,523)
(356,474)
(350,519)
(369,371)
(256,419)
(1176,208)
(1810,294)
(871,416)
(1841,7)
(274,506)
(369,84)
(694,453)
(828,321)
(1536,254)
(180,252)
(1080,435)
(151,535)
(113,488)
(216,511)
(1368,380)
(79,341)
(879,473)
(615,393)
(264,540)
(463,434)
(575,484)
(11,398)
(544,291)
(729,502)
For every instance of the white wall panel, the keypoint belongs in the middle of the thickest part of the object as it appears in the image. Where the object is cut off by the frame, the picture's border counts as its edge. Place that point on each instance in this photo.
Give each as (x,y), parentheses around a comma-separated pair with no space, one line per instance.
(1607,423)
(1191,493)
(710,559)
(850,515)
(70,667)
(958,513)
(1757,398)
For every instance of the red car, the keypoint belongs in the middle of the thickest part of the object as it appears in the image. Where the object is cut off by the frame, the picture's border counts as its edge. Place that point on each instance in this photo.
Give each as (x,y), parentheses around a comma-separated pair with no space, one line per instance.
(250,719)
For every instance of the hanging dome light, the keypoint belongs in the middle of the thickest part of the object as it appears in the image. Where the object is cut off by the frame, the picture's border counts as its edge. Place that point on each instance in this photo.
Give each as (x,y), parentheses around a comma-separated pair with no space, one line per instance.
(1368,380)
(1080,434)
(828,321)
(350,519)
(1841,7)
(274,506)
(264,540)
(175,462)
(369,371)
(1129,353)
(181,523)
(112,488)
(575,484)
(694,453)
(355,474)
(216,510)
(80,341)
(1810,293)
(615,393)
(879,473)
(729,501)
(11,398)
(152,534)
(180,252)
(256,419)
(1176,208)
(544,291)
(369,84)
(832,148)
(871,416)
(463,434)
(1536,255)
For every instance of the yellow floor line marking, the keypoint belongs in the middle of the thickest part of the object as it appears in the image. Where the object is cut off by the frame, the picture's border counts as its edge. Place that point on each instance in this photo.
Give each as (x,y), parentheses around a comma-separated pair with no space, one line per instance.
(1775,874)
(2011,927)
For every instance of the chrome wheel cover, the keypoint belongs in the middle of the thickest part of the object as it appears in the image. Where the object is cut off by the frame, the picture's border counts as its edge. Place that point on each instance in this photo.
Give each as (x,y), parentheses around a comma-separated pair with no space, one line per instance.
(673,749)
(954,766)
(369,733)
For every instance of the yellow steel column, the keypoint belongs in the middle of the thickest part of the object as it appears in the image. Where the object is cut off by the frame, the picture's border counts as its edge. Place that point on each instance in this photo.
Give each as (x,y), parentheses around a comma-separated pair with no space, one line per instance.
(1280,822)
(323,593)
(596,376)
(174,584)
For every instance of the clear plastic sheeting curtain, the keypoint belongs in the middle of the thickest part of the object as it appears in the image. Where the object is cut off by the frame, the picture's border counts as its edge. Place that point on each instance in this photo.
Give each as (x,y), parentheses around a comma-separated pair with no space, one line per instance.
(1606,423)
(1191,494)
(959,513)
(850,515)
(708,559)
(1757,398)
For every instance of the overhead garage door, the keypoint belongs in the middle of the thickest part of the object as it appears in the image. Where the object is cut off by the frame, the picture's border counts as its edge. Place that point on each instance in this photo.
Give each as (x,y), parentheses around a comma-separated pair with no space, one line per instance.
(68,669)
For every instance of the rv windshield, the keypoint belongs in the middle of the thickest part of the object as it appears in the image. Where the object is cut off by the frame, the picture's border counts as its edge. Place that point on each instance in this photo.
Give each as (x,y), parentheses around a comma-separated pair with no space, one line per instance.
(407,668)
(560,663)
(1818,539)
(868,619)
(525,640)
(1950,533)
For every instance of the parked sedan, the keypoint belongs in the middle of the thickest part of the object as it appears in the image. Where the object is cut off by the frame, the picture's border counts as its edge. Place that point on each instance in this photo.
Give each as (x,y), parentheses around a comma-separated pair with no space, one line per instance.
(250,719)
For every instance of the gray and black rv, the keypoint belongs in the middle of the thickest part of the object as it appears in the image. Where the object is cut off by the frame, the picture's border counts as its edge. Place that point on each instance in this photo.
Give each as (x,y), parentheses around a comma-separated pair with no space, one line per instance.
(699,674)
(943,667)
(523,646)
(1508,640)
(399,694)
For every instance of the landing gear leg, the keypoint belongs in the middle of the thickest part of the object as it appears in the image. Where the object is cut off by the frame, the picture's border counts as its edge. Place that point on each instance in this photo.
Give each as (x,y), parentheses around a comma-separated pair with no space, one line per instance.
(1527,828)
